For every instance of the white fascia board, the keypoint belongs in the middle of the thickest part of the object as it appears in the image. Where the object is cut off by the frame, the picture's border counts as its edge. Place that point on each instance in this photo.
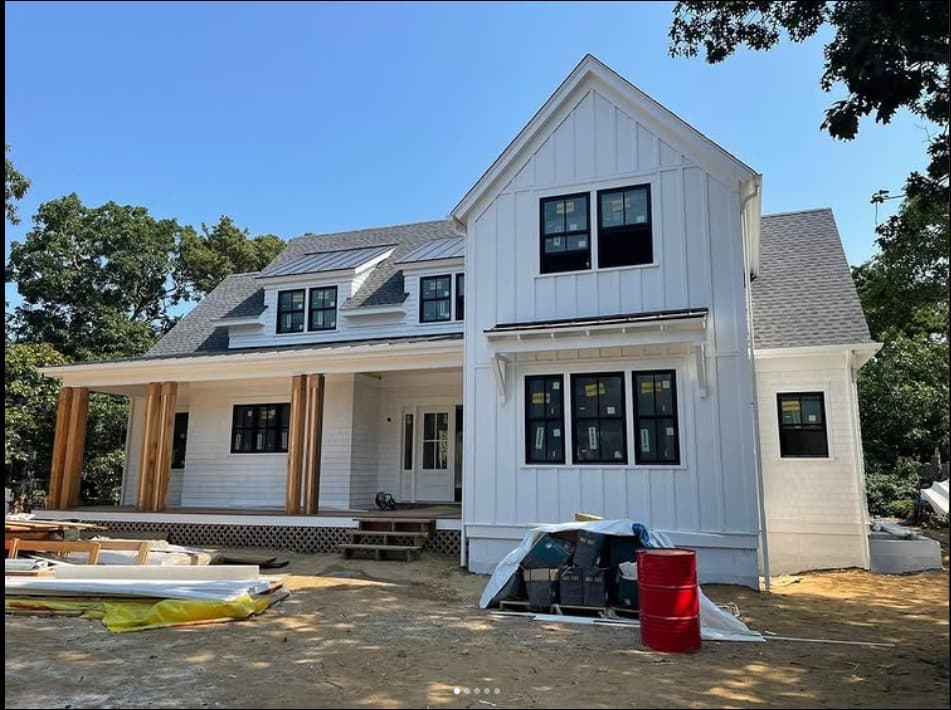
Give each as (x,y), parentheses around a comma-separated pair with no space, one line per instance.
(231,322)
(866,350)
(371,310)
(342,359)
(594,337)
(319,278)
(433,266)
(593,74)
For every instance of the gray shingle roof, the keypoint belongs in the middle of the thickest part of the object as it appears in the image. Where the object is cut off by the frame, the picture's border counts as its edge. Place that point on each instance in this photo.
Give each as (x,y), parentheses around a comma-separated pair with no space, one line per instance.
(804,294)
(324,261)
(237,295)
(440,249)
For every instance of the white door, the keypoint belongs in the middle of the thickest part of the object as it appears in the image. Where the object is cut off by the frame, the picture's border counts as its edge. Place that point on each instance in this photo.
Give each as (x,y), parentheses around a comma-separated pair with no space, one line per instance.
(434,456)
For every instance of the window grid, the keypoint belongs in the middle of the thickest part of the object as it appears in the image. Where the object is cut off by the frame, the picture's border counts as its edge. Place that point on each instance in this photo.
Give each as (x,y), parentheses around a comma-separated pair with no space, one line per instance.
(656,419)
(260,428)
(435,299)
(605,418)
(323,308)
(290,311)
(545,428)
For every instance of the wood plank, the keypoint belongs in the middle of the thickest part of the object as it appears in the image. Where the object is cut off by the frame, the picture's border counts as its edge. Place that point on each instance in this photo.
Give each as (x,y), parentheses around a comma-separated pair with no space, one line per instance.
(163,465)
(295,444)
(59,449)
(147,457)
(75,447)
(392,548)
(313,443)
(58,547)
(143,547)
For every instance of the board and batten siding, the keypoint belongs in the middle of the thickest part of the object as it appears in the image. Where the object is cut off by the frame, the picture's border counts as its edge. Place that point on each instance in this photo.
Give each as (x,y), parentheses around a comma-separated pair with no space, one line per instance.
(384,325)
(698,262)
(815,507)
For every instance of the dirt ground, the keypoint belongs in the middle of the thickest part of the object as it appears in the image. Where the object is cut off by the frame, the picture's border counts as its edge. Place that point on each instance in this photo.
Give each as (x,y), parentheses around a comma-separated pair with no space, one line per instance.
(387,634)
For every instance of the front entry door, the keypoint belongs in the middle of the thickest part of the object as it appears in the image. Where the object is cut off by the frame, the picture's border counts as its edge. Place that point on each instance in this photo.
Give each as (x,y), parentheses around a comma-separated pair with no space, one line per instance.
(435,481)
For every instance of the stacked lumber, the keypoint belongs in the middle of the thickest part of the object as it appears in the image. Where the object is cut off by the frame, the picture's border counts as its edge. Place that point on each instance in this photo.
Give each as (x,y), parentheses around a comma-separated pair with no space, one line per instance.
(33,529)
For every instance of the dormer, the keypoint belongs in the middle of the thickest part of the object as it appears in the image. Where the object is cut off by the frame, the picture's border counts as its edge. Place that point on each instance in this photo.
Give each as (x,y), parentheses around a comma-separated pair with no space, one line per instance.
(434,278)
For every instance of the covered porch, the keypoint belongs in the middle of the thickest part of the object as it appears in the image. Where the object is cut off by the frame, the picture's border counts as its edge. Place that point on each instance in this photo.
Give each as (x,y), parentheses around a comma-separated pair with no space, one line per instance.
(296,434)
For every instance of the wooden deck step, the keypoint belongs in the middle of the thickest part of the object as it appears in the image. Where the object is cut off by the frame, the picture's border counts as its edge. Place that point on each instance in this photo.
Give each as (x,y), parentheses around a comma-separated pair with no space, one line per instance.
(408,551)
(393,519)
(388,533)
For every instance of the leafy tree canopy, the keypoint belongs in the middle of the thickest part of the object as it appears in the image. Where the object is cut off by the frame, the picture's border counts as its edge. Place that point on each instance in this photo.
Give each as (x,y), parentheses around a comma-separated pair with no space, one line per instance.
(15,186)
(205,260)
(889,55)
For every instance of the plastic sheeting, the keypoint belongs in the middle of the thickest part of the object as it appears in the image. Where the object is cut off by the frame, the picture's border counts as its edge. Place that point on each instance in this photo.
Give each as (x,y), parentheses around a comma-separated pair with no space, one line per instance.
(208,590)
(715,623)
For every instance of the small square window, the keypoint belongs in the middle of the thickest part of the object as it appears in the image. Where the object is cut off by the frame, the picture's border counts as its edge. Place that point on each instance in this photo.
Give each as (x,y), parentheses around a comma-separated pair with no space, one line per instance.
(290,311)
(802,425)
(435,302)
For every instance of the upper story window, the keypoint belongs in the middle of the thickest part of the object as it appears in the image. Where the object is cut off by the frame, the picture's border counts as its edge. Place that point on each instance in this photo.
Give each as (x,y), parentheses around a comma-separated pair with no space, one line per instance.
(435,299)
(323,308)
(624,227)
(460,296)
(290,311)
(802,425)
(565,233)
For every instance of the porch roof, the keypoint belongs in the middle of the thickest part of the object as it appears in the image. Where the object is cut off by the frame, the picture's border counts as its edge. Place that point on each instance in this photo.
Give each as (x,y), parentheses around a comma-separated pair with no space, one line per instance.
(377,354)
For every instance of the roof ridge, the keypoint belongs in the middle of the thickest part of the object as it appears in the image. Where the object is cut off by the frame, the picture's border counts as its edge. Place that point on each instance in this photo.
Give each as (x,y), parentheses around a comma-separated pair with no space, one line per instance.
(310,235)
(805,211)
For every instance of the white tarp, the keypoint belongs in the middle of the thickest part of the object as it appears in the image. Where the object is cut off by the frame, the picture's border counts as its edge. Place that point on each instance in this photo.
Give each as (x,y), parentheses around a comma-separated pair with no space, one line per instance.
(715,623)
(937,496)
(215,590)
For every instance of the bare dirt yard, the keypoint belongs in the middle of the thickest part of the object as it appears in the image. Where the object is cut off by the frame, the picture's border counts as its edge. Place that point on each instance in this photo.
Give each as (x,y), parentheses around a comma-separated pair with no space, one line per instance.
(387,634)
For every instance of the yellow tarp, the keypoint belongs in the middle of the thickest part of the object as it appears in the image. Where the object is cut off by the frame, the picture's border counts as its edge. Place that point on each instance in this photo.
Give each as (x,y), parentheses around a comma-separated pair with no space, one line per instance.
(132,615)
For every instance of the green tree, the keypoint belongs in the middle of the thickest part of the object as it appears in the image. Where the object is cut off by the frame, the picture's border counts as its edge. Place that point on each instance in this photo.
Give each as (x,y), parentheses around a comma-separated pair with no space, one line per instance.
(30,401)
(889,55)
(15,186)
(205,260)
(95,281)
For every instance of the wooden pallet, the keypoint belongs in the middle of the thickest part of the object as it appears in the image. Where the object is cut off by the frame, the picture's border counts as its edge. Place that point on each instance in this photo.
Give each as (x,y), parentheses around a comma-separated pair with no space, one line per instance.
(380,551)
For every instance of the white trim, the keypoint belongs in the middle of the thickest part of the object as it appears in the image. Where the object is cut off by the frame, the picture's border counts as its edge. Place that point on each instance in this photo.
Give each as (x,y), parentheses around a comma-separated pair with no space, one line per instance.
(318,277)
(412,267)
(370,310)
(591,70)
(867,349)
(728,540)
(238,320)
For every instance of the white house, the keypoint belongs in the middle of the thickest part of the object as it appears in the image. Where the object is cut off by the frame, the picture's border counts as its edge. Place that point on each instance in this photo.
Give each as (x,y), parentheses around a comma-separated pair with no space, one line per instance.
(604,324)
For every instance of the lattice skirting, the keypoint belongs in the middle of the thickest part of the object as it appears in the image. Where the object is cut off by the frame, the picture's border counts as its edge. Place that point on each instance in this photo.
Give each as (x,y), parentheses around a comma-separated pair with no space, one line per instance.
(301,539)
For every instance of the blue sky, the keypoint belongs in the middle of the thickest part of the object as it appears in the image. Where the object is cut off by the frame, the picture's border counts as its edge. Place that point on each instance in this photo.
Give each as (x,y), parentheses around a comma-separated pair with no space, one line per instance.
(322,117)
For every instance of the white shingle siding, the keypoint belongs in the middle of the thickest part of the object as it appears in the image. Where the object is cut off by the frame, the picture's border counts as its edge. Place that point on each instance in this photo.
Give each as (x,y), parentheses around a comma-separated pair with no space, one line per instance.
(816,512)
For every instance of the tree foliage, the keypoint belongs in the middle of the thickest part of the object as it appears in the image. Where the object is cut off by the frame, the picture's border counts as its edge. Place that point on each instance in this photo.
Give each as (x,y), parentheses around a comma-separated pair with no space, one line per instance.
(205,259)
(889,55)
(15,185)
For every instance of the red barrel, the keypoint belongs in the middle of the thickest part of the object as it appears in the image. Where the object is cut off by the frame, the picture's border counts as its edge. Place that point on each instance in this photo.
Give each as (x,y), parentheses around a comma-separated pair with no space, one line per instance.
(669,599)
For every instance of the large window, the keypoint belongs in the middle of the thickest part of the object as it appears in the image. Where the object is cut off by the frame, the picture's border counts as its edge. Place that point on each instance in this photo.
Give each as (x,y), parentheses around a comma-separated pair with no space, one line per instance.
(460,296)
(624,227)
(565,234)
(290,311)
(544,419)
(323,308)
(259,428)
(802,425)
(597,418)
(435,299)
(656,433)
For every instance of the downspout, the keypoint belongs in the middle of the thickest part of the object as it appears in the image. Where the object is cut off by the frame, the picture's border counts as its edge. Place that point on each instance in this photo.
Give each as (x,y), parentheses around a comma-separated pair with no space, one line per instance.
(858,452)
(756,186)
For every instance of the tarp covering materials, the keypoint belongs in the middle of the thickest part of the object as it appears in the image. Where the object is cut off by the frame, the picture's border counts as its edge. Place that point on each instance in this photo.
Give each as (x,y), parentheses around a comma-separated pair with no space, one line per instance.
(715,623)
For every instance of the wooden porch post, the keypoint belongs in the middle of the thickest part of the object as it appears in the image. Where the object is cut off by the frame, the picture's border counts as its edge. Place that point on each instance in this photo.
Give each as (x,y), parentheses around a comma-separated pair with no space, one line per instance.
(59,449)
(312,442)
(295,443)
(163,457)
(153,413)
(75,448)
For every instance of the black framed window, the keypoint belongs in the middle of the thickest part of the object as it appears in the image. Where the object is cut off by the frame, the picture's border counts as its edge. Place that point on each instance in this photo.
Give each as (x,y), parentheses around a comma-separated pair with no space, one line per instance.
(179,439)
(460,296)
(260,428)
(544,419)
(435,299)
(656,431)
(802,425)
(323,308)
(597,418)
(624,227)
(290,311)
(565,233)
